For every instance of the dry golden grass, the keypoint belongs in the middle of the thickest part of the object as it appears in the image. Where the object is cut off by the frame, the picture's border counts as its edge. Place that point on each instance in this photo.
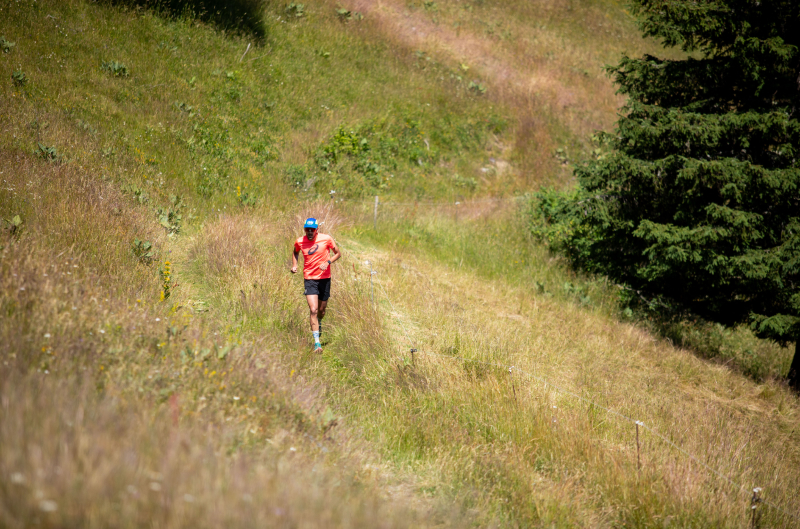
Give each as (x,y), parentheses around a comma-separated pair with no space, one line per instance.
(119,410)
(71,457)
(433,414)
(59,270)
(208,397)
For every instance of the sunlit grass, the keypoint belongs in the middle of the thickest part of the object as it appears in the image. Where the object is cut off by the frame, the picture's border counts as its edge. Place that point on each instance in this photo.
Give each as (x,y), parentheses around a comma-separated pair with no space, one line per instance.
(518,433)
(139,392)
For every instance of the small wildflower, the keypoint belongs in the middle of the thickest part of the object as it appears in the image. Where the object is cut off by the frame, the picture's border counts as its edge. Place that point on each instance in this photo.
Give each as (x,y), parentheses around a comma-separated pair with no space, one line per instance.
(188,498)
(47,335)
(17,478)
(158,319)
(155,486)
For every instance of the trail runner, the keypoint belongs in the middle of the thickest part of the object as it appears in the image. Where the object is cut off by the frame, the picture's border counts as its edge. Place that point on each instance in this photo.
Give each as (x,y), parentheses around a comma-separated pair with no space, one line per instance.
(317,259)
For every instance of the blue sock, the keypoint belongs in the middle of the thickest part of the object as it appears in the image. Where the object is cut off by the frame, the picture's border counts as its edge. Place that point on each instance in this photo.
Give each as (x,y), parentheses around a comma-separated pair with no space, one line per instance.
(316,338)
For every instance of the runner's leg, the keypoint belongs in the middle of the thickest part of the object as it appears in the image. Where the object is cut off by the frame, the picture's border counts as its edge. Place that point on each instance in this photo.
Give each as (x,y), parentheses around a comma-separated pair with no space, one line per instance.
(324,294)
(321,314)
(313,310)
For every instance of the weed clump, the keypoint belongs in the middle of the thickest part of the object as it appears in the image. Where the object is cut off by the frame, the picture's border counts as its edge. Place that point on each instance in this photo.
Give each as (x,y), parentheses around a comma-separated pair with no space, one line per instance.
(6,45)
(295,10)
(12,226)
(117,69)
(46,152)
(143,251)
(19,78)
(245,198)
(170,217)
(345,15)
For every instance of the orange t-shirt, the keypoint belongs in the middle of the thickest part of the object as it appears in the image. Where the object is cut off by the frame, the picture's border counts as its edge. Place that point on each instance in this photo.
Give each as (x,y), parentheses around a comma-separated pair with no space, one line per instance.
(315,253)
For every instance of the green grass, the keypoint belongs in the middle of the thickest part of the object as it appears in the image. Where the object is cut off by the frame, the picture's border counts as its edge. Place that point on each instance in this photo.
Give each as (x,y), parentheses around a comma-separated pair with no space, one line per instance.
(194,117)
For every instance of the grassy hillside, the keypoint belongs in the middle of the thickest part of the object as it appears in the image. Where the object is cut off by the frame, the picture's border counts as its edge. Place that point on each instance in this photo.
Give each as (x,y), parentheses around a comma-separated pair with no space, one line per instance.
(155,362)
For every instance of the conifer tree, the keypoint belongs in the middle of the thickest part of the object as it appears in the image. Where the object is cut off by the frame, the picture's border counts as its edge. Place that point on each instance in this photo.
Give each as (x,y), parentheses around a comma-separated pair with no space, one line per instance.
(699,197)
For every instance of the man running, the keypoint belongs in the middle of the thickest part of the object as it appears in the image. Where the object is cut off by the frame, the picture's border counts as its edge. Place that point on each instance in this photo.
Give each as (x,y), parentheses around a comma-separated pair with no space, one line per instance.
(316,248)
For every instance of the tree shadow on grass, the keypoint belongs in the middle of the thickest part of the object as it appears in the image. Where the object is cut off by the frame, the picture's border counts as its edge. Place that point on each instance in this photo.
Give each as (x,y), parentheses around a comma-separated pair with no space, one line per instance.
(734,346)
(241,16)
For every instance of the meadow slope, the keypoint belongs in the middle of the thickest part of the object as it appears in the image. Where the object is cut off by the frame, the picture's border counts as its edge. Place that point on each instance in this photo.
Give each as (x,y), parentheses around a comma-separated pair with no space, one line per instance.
(156,368)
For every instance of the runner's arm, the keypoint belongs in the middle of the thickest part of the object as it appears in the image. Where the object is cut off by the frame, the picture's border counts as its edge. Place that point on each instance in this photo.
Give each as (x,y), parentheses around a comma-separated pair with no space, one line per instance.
(294,261)
(336,255)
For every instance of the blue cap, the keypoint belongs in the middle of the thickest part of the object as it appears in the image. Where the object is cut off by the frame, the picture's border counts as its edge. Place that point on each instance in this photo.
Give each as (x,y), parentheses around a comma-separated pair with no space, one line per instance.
(311,223)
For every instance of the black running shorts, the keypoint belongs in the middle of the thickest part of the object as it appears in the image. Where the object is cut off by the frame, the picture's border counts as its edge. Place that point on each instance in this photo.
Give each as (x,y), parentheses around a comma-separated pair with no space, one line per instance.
(318,287)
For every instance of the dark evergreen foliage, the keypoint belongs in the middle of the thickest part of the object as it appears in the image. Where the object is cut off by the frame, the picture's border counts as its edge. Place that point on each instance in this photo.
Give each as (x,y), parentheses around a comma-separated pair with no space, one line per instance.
(698,199)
